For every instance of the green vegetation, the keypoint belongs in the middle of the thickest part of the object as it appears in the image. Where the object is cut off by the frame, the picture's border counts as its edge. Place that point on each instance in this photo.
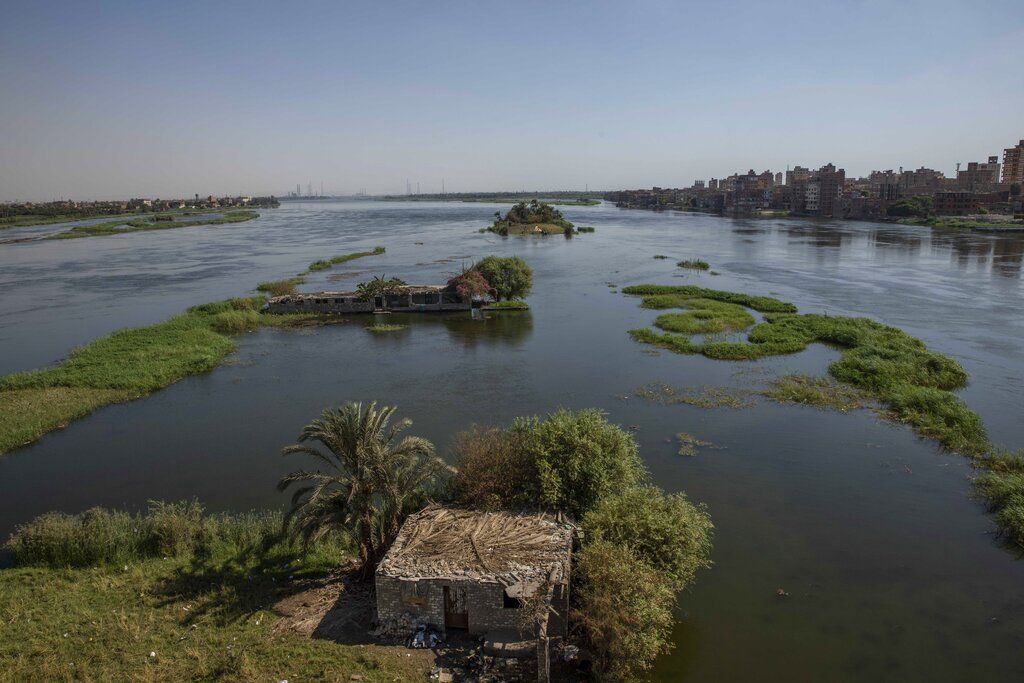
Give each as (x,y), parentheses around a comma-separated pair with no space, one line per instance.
(688,444)
(154,222)
(914,383)
(171,594)
(533,218)
(694,264)
(919,206)
(660,257)
(820,392)
(700,397)
(509,277)
(668,296)
(706,316)
(507,306)
(129,364)
(641,546)
(374,480)
(324,264)
(625,609)
(958,223)
(379,286)
(281,287)
(585,228)
(384,327)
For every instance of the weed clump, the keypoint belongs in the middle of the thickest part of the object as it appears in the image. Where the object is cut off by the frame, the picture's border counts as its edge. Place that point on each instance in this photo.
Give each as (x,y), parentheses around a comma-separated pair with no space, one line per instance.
(694,264)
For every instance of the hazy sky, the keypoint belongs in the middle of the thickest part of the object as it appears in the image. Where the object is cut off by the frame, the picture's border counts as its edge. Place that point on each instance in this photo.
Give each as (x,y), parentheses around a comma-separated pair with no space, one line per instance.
(172,98)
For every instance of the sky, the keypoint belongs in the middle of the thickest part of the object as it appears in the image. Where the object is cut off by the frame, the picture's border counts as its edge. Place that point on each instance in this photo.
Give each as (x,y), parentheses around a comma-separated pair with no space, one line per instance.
(168,99)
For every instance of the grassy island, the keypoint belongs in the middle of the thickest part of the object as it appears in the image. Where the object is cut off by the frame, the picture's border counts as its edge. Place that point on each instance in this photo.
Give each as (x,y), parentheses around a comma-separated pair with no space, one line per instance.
(535,218)
(163,221)
(129,364)
(880,363)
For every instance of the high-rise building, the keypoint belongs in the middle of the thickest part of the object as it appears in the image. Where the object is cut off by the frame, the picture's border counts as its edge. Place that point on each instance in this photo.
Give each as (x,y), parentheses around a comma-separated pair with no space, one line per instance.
(830,181)
(979,177)
(1013,164)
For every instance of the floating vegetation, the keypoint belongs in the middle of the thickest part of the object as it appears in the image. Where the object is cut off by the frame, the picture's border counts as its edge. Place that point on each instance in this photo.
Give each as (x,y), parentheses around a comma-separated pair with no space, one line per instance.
(153,222)
(700,397)
(706,316)
(385,327)
(914,383)
(280,287)
(694,264)
(688,444)
(584,228)
(513,305)
(324,264)
(660,257)
(820,392)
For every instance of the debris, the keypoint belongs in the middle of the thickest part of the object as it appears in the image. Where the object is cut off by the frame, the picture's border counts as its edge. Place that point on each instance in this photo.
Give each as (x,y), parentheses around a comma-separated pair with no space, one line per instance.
(781,593)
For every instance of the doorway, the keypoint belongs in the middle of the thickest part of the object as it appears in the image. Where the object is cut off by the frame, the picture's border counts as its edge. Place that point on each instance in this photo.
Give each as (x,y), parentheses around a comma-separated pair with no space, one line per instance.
(456,613)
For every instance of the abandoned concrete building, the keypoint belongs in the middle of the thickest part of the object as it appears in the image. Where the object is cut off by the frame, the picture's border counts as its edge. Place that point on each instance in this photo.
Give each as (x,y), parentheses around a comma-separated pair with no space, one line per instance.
(479,572)
(410,298)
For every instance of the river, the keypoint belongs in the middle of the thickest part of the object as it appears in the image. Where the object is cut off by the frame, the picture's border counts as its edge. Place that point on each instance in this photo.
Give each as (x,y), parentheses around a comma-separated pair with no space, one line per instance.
(891,568)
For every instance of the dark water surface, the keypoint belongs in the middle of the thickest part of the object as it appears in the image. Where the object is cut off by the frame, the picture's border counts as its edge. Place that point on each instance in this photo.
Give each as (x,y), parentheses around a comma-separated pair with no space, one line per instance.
(891,568)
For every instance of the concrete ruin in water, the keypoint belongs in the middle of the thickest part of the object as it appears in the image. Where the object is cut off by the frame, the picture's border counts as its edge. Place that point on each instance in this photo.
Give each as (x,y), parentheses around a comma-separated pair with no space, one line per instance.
(501,575)
(409,298)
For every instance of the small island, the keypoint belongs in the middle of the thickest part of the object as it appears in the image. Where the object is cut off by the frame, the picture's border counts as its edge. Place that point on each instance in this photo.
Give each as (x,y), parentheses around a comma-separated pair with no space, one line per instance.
(535,218)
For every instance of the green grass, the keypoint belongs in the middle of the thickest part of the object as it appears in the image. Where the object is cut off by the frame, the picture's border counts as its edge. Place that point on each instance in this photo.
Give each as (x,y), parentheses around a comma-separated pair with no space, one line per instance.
(585,228)
(280,287)
(385,327)
(763,304)
(914,383)
(959,223)
(324,264)
(514,305)
(706,316)
(694,264)
(94,594)
(129,364)
(154,222)
(820,392)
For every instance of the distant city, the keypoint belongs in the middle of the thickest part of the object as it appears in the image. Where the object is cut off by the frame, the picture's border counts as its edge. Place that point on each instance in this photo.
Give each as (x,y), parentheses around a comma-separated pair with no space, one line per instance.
(983,187)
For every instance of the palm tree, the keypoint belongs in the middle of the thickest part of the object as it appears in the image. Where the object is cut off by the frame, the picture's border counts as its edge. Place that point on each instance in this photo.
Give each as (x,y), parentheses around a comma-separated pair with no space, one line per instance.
(372,479)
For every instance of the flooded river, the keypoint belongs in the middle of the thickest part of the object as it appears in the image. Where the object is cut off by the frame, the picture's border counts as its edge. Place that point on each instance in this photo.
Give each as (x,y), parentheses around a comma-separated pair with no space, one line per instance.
(891,568)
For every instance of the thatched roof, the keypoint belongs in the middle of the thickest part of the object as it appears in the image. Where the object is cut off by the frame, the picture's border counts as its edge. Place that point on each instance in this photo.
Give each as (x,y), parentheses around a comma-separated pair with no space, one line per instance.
(503,547)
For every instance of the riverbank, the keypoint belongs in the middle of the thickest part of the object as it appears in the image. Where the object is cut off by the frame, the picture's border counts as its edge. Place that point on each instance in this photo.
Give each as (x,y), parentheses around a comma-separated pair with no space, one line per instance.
(155,222)
(176,595)
(554,198)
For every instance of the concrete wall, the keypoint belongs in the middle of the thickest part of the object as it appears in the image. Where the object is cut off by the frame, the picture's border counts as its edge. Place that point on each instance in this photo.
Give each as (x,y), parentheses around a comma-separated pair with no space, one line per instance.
(352,305)
(424,600)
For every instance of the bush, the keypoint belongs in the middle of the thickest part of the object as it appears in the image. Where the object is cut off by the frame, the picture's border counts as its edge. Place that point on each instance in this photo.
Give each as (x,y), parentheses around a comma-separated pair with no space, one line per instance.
(235,322)
(579,458)
(667,532)
(492,469)
(509,277)
(625,608)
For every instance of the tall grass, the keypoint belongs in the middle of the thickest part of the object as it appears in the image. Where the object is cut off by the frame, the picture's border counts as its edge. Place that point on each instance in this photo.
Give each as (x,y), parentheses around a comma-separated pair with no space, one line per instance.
(99,536)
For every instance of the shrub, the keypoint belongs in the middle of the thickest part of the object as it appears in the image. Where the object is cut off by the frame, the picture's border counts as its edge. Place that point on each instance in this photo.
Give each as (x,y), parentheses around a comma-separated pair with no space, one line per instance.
(667,532)
(579,458)
(694,264)
(493,471)
(509,277)
(625,608)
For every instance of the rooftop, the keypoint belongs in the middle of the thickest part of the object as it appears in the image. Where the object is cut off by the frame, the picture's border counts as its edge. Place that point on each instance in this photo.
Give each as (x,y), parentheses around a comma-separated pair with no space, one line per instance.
(504,547)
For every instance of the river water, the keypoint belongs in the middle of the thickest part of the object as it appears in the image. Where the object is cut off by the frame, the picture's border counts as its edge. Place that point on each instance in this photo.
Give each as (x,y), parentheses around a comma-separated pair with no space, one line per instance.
(891,569)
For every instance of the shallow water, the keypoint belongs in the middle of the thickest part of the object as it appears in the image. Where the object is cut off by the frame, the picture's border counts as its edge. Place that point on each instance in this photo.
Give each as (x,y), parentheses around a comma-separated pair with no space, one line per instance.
(890,566)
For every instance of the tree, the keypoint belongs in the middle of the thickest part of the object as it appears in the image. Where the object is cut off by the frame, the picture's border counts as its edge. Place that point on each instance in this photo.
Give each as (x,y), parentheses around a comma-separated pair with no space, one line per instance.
(666,531)
(469,284)
(578,458)
(372,479)
(492,471)
(509,277)
(625,609)
(379,286)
